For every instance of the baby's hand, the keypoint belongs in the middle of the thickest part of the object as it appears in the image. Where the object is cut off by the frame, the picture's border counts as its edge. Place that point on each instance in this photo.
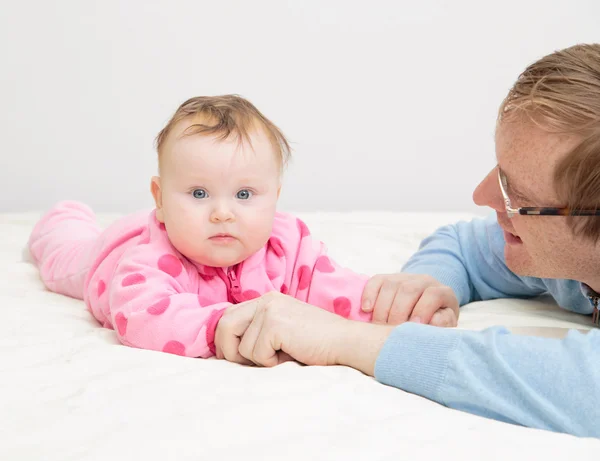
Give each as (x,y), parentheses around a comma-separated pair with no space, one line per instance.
(397,298)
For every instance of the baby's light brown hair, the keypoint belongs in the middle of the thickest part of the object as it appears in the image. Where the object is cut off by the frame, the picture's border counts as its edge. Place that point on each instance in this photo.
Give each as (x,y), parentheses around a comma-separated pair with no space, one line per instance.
(223,116)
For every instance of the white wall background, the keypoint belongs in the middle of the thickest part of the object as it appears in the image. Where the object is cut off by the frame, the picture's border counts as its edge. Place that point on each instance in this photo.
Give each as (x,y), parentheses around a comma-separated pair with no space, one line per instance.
(389,105)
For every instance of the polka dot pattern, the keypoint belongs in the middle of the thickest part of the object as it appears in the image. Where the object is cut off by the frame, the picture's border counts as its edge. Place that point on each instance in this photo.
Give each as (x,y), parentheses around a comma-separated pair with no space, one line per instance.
(342,306)
(207,277)
(121,323)
(159,307)
(304,277)
(174,347)
(277,246)
(250,294)
(133,279)
(303,228)
(170,264)
(323,264)
(284,289)
(101,288)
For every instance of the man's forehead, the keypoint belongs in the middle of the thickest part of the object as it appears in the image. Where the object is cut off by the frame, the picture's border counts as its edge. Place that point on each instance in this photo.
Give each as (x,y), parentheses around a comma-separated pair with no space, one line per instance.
(528,155)
(523,160)
(531,143)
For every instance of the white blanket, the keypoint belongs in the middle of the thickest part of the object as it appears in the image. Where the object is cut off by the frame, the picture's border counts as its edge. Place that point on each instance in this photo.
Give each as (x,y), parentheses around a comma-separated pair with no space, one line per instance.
(70,391)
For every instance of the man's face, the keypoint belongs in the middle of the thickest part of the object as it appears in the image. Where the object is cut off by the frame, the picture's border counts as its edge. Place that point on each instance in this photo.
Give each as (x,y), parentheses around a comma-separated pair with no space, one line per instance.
(539,246)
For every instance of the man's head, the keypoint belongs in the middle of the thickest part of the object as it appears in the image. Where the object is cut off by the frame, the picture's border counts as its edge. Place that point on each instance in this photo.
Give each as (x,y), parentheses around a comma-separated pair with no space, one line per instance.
(220,164)
(548,150)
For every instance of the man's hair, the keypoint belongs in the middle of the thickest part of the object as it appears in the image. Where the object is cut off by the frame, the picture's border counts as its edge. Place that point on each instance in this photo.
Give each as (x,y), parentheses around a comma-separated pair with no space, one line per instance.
(223,116)
(561,94)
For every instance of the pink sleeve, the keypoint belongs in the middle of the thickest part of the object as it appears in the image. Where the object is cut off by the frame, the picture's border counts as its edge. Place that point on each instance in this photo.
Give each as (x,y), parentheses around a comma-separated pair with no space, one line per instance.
(315,278)
(153,305)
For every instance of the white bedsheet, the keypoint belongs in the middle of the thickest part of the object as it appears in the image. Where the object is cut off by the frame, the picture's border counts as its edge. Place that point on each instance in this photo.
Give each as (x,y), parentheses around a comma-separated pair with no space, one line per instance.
(70,391)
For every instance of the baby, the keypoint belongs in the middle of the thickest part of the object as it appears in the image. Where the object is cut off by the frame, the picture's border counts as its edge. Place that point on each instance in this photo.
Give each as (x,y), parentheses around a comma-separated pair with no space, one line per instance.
(162,280)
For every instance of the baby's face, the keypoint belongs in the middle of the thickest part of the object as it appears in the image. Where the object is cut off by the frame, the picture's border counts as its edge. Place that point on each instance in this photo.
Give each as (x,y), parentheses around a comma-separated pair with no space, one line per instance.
(217,198)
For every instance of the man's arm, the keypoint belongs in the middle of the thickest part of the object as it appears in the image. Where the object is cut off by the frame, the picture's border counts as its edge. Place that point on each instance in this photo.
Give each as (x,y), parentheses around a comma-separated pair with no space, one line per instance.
(469,258)
(536,382)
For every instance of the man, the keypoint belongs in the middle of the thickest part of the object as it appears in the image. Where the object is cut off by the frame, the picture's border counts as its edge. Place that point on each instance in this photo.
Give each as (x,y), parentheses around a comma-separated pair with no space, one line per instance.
(545,191)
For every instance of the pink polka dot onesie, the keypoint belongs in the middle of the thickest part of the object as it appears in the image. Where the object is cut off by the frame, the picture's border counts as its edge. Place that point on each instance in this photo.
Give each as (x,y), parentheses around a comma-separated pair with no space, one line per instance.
(134,281)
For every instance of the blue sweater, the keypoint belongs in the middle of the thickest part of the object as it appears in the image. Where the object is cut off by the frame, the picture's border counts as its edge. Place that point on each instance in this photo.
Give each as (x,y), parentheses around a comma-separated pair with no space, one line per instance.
(545,383)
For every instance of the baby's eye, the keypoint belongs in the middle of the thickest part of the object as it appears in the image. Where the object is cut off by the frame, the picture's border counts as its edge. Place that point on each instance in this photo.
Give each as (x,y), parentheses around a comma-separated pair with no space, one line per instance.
(244,194)
(199,193)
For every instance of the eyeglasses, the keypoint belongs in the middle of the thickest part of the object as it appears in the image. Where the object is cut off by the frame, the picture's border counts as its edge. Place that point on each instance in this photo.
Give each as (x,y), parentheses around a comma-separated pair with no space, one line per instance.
(531,210)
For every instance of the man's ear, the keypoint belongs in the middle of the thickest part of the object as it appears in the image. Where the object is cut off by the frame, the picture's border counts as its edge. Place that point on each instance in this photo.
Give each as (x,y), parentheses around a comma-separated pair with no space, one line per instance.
(157,194)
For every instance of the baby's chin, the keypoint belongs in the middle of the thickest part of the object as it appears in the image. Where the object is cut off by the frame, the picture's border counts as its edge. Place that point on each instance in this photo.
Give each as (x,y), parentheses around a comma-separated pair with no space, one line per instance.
(211,261)
(220,257)
(216,258)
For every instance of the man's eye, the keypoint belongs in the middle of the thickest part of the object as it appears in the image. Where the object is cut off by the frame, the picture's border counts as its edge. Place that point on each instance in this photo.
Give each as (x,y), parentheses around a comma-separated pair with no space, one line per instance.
(516,195)
(244,194)
(520,200)
(199,193)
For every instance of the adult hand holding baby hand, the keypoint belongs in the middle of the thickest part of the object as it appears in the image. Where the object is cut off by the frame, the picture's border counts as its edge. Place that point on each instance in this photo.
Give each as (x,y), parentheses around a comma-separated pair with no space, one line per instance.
(275,328)
(397,298)
(269,329)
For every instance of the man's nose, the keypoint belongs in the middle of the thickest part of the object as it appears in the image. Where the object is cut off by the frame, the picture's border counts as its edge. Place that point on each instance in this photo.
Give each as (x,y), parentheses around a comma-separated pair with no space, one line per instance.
(487,193)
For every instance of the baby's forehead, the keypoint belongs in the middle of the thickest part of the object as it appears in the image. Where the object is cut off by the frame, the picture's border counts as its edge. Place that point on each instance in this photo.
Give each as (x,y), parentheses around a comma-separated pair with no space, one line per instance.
(190,147)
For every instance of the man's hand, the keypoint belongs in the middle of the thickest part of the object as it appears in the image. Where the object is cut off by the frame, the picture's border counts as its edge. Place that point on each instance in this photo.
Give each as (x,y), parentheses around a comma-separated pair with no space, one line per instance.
(397,298)
(276,328)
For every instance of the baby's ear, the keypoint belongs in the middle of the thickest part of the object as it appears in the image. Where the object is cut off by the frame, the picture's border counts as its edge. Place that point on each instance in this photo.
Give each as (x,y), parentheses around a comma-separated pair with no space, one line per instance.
(157,194)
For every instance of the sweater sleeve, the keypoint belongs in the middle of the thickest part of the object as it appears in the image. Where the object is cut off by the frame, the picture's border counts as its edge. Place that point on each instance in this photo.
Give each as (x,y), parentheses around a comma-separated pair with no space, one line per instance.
(536,382)
(469,258)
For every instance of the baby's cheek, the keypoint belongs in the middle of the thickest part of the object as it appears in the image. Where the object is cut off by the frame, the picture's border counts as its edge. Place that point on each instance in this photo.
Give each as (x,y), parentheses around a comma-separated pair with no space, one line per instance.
(254,239)
(257,225)
(186,235)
